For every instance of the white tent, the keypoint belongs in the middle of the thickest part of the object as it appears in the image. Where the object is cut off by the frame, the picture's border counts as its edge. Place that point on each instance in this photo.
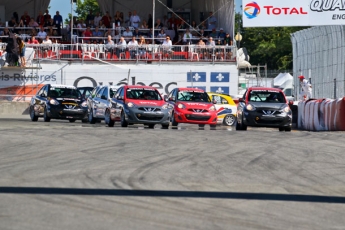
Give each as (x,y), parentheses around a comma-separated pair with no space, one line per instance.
(223,9)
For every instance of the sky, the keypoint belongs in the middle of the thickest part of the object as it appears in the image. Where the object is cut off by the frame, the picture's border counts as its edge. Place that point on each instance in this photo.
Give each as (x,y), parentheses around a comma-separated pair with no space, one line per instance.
(64,7)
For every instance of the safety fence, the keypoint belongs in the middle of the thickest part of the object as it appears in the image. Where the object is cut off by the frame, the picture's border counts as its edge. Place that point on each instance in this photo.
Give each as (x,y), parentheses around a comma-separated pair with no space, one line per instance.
(322,115)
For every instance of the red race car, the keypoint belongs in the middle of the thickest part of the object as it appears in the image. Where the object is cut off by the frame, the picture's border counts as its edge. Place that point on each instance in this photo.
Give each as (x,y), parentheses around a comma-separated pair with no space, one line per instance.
(192,105)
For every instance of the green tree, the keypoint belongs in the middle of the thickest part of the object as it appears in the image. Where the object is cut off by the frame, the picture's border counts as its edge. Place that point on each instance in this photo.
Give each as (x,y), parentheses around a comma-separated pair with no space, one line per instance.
(83,7)
(271,45)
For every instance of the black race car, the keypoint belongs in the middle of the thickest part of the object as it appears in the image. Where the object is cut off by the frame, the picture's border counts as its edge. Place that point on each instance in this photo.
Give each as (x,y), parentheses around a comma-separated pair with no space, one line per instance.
(58,102)
(264,107)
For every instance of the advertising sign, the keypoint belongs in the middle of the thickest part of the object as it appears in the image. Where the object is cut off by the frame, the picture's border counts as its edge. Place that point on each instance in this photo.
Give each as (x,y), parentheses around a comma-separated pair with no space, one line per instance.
(271,13)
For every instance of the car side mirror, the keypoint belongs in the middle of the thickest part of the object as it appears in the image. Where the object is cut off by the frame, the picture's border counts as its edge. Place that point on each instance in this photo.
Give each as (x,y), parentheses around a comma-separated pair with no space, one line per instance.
(165,98)
(241,100)
(103,97)
(119,97)
(214,102)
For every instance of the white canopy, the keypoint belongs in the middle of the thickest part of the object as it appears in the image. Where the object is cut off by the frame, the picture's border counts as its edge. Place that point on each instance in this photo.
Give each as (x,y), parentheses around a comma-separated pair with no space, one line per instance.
(223,9)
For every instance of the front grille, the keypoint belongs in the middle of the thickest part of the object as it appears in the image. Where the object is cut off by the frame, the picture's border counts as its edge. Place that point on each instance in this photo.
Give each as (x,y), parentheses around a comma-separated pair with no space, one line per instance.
(149,109)
(269,112)
(149,118)
(198,118)
(198,110)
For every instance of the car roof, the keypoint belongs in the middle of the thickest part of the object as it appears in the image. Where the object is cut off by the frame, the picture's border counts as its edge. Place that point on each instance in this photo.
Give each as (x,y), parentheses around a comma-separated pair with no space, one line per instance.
(140,86)
(190,89)
(63,86)
(264,88)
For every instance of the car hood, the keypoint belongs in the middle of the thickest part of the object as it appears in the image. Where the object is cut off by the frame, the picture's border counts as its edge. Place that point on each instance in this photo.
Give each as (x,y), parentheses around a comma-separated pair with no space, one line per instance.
(276,106)
(197,105)
(147,102)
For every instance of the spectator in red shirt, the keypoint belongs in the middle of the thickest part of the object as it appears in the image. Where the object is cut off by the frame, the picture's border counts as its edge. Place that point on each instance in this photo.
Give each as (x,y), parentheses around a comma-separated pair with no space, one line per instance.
(26,18)
(87,34)
(40,19)
(106,19)
(33,40)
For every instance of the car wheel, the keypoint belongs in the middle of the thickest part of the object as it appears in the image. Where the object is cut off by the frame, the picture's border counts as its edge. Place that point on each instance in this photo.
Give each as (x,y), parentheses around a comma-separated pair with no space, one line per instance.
(244,127)
(33,115)
(85,120)
(288,129)
(229,120)
(107,119)
(45,116)
(123,120)
(201,125)
(173,121)
(151,126)
(241,126)
(238,126)
(92,120)
(71,120)
(281,129)
(165,126)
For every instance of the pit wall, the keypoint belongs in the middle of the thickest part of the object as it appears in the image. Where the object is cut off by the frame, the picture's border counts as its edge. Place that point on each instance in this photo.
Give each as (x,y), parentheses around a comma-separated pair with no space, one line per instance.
(322,115)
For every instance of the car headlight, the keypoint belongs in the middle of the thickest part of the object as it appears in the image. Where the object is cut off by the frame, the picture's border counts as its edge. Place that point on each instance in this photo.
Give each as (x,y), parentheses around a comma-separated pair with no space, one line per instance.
(212,108)
(84,104)
(286,109)
(167,106)
(53,102)
(130,104)
(181,106)
(250,107)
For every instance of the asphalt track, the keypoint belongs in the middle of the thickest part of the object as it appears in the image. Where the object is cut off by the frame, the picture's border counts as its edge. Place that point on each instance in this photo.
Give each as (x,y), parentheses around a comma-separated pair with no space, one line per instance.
(62,175)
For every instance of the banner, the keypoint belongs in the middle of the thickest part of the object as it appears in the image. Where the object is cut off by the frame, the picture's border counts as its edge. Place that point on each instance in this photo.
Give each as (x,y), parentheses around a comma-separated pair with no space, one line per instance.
(271,13)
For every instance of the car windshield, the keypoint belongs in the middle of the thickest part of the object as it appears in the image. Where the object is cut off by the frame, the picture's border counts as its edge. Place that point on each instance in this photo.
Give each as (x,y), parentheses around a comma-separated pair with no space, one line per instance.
(267,96)
(143,94)
(64,93)
(196,96)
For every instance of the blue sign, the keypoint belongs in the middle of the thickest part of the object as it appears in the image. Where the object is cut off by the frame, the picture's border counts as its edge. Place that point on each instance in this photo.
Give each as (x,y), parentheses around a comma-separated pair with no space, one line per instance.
(196,77)
(220,89)
(198,87)
(220,77)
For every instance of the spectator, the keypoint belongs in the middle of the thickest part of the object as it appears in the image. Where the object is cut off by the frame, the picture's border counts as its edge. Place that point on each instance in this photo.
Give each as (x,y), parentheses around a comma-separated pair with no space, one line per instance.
(90,18)
(109,32)
(5,33)
(149,21)
(58,22)
(213,34)
(96,19)
(16,17)
(128,19)
(172,22)
(40,19)
(127,33)
(194,26)
(81,27)
(87,34)
(33,41)
(158,25)
(211,21)
(135,19)
(49,23)
(210,45)
(150,33)
(202,34)
(97,33)
(13,22)
(182,26)
(32,23)
(47,17)
(101,25)
(187,37)
(219,52)
(21,45)
(46,43)
(26,18)
(121,47)
(228,40)
(141,46)
(106,19)
(109,45)
(203,26)
(161,36)
(165,22)
(117,19)
(221,33)
(42,34)
(144,25)
(33,32)
(132,47)
(167,45)
(136,32)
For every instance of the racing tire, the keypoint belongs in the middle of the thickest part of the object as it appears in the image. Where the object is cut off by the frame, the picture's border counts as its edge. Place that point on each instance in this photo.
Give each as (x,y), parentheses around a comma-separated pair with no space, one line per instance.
(108,120)
(45,116)
(201,125)
(165,126)
(71,120)
(281,129)
(85,120)
(213,127)
(33,115)
(151,126)
(229,120)
(173,121)
(288,129)
(124,123)
(92,119)
(241,126)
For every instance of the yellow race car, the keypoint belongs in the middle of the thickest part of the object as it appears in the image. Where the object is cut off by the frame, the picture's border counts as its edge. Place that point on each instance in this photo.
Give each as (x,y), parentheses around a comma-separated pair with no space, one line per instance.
(226,108)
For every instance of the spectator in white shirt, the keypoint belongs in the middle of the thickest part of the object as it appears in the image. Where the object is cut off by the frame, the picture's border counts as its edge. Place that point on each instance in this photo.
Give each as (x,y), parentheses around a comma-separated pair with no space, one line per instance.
(187,37)
(167,45)
(96,19)
(127,33)
(121,46)
(135,19)
(132,47)
(47,43)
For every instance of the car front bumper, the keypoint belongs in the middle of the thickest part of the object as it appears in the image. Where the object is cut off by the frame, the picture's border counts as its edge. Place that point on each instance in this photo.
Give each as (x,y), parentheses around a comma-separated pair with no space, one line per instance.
(196,118)
(62,113)
(254,118)
(139,116)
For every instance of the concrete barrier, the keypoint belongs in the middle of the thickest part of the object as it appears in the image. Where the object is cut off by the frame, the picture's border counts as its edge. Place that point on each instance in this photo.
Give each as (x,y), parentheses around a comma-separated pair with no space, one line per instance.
(14,108)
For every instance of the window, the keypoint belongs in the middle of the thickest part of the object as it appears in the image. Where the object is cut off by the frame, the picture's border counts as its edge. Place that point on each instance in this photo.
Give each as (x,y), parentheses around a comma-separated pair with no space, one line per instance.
(118,92)
(220,99)
(105,92)
(100,92)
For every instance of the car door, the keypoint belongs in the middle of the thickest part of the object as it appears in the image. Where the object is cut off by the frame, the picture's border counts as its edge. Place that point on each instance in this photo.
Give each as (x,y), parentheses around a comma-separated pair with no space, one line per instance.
(118,101)
(171,99)
(97,104)
(103,101)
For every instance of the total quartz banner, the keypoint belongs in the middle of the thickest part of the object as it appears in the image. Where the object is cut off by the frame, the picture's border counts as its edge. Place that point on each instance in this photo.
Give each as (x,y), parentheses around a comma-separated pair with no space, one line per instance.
(271,13)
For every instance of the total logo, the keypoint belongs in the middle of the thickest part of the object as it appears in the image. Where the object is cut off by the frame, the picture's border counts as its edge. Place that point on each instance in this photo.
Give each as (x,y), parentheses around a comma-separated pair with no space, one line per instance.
(252,10)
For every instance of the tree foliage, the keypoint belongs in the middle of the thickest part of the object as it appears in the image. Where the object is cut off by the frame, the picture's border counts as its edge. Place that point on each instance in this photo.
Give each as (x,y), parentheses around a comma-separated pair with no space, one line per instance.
(84,7)
(271,45)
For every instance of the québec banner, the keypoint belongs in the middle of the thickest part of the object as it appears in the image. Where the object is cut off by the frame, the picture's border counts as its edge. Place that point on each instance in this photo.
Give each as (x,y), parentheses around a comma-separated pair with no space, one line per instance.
(271,13)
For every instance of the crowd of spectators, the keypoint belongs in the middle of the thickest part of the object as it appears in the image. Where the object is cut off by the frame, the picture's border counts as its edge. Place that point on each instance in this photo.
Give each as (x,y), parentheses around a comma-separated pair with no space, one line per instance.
(100,26)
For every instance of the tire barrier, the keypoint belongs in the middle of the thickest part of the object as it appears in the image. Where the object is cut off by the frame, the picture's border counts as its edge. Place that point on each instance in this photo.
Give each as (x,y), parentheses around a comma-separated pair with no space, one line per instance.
(322,115)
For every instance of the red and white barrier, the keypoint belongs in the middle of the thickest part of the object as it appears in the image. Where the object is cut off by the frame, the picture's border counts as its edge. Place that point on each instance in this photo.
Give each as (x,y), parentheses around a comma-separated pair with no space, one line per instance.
(322,115)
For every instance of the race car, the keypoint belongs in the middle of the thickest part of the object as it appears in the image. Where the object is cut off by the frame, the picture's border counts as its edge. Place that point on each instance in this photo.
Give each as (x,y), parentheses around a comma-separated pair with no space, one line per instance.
(137,104)
(58,102)
(192,105)
(226,108)
(264,107)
